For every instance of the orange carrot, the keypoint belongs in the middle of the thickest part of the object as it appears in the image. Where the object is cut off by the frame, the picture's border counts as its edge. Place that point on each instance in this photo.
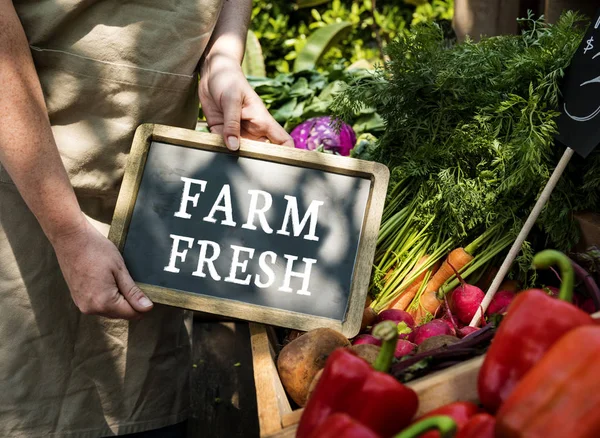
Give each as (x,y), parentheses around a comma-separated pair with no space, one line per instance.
(428,302)
(408,295)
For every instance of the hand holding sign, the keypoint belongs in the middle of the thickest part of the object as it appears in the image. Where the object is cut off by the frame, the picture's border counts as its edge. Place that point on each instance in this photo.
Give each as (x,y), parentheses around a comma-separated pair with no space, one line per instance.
(268,234)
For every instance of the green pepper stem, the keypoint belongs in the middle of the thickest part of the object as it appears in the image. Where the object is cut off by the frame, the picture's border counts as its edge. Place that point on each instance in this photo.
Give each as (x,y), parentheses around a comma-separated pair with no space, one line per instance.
(387,331)
(545,259)
(445,425)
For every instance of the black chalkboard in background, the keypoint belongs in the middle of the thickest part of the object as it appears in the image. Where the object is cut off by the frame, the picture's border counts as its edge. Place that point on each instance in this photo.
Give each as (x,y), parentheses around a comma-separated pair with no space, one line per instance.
(579,121)
(267,234)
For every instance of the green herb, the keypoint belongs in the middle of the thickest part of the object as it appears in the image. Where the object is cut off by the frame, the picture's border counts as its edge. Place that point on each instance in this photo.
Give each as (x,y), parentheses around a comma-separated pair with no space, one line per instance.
(469,138)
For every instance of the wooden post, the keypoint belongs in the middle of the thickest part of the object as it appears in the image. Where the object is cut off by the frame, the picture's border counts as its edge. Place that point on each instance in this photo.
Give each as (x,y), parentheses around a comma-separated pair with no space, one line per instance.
(478,18)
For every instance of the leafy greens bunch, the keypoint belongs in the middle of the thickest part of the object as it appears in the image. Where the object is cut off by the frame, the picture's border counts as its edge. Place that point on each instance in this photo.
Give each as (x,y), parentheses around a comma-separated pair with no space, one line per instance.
(470,139)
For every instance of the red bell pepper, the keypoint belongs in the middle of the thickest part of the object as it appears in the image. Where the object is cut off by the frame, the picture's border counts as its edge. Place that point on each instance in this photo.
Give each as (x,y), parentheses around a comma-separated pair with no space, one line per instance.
(560,396)
(367,394)
(445,426)
(533,323)
(461,412)
(479,426)
(342,425)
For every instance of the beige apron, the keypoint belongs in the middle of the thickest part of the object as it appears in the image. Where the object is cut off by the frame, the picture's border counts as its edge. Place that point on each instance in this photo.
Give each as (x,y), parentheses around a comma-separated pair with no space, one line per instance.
(105,67)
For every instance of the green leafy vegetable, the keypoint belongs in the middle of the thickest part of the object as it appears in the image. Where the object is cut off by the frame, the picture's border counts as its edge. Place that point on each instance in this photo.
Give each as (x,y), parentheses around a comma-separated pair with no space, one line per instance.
(470,129)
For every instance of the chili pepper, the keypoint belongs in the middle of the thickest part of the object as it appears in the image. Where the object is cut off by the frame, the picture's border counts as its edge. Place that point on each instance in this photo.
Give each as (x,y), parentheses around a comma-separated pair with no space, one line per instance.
(533,323)
(560,396)
(342,425)
(479,426)
(368,395)
(460,412)
(445,426)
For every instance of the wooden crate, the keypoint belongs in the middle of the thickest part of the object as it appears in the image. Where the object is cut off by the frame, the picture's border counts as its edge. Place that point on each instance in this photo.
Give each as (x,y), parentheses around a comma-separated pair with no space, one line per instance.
(277,418)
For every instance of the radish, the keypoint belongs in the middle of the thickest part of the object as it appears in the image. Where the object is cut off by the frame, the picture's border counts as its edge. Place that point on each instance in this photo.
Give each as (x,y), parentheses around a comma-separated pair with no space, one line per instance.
(465,300)
(403,347)
(366,339)
(396,315)
(403,320)
(435,327)
(466,330)
(449,323)
(500,302)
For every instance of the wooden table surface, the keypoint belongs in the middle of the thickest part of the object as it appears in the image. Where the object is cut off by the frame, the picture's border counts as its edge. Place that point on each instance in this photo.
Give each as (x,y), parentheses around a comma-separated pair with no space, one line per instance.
(223,395)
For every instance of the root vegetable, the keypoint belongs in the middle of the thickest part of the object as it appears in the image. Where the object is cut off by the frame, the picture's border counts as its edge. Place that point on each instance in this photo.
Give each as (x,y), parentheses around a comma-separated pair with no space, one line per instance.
(466,331)
(313,383)
(366,339)
(429,303)
(368,352)
(432,328)
(500,302)
(301,359)
(405,298)
(396,315)
(435,342)
(369,318)
(464,302)
(404,347)
(403,320)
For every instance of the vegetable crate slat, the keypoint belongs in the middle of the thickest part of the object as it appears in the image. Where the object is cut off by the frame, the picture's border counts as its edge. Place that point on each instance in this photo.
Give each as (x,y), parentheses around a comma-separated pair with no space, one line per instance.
(278,419)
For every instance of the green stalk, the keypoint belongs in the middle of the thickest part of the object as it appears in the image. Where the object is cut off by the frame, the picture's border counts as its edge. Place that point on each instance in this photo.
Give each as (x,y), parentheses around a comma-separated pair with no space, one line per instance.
(550,257)
(401,272)
(387,331)
(389,226)
(478,242)
(396,251)
(415,301)
(444,424)
(399,237)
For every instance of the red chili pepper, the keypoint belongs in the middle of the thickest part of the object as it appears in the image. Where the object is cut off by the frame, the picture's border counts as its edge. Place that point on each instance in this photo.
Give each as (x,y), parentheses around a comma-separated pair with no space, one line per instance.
(560,396)
(367,394)
(479,426)
(533,323)
(342,425)
(461,412)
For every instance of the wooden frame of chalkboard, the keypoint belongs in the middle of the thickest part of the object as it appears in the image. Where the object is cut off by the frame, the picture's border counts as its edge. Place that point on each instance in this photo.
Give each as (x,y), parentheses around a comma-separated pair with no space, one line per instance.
(377,174)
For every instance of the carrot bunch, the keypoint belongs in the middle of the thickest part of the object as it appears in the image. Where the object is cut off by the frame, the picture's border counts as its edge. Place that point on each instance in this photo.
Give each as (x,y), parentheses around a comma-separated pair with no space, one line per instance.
(416,264)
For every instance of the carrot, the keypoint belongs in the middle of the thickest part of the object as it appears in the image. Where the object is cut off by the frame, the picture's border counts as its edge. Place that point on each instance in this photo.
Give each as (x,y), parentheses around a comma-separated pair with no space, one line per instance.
(405,298)
(428,301)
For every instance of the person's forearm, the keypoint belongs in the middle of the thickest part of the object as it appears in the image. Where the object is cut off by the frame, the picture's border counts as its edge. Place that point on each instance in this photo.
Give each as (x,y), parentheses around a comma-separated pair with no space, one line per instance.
(229,36)
(27,148)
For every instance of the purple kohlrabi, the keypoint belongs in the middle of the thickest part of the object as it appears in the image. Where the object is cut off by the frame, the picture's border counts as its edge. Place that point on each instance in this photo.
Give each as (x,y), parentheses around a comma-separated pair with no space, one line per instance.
(319,134)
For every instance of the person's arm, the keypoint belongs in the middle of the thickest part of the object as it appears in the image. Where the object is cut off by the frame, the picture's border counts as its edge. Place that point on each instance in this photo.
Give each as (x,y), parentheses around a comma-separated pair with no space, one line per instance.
(230,105)
(92,266)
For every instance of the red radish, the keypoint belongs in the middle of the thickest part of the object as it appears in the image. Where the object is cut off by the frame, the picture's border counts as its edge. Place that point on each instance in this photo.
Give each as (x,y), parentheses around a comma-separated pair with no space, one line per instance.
(404,347)
(448,321)
(366,339)
(404,331)
(466,330)
(435,327)
(465,300)
(396,315)
(500,302)
(404,320)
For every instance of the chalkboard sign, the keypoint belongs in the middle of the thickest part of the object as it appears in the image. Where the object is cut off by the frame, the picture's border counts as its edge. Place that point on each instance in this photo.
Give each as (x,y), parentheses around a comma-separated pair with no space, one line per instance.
(579,121)
(268,234)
